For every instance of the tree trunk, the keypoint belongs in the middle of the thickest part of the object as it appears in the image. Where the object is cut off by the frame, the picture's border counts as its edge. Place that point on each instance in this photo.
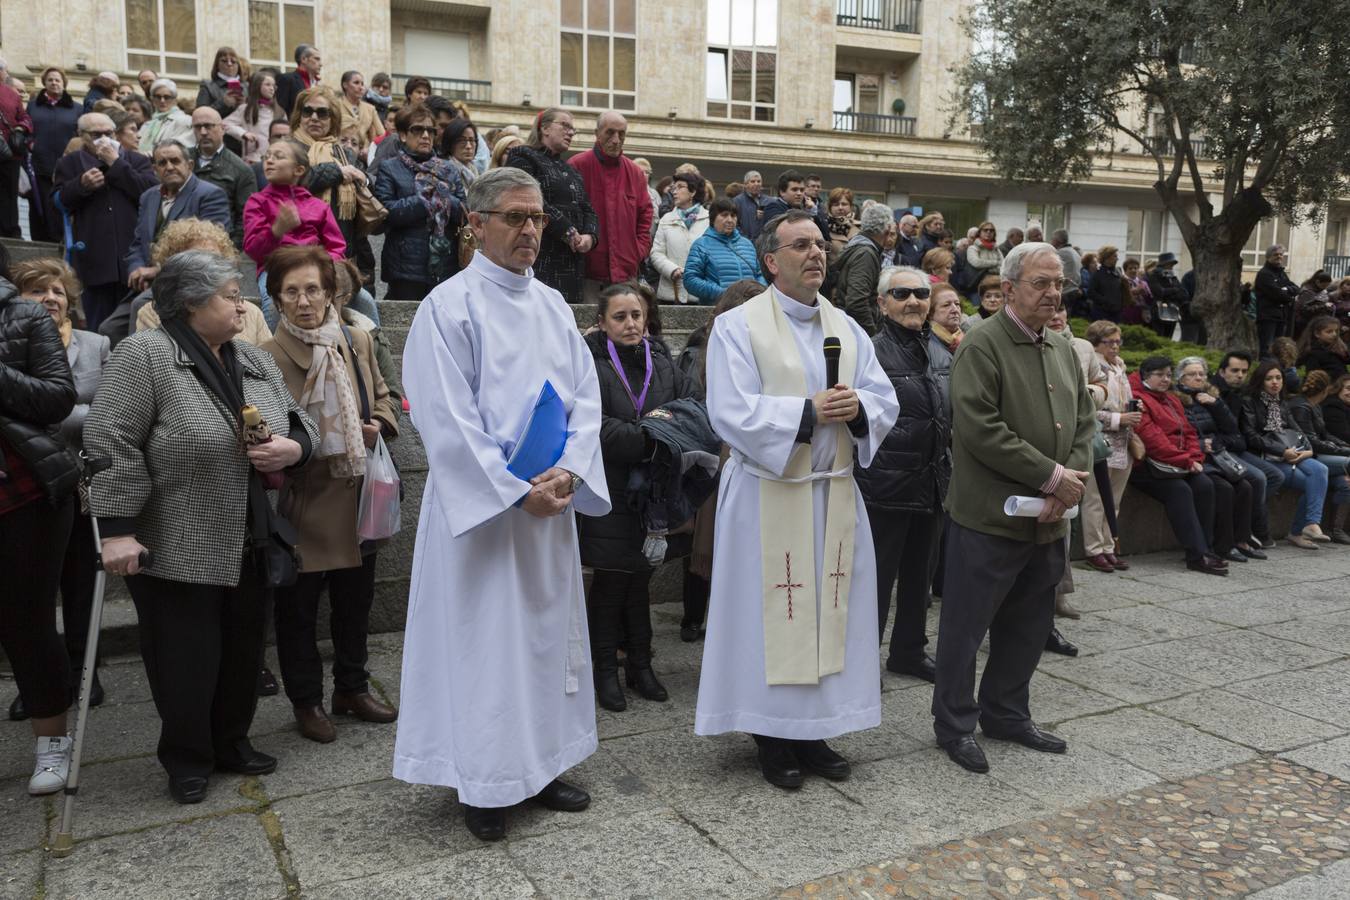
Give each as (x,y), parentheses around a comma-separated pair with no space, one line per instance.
(1218,295)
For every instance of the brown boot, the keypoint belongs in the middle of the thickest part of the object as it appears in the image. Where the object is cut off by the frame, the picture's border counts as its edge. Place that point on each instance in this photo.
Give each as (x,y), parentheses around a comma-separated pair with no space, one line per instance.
(1064,609)
(315,724)
(364,707)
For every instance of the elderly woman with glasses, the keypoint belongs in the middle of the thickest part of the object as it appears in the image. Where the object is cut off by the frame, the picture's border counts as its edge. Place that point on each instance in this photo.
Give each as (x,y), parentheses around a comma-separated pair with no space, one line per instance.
(983,258)
(181,482)
(168,121)
(425,198)
(1118,417)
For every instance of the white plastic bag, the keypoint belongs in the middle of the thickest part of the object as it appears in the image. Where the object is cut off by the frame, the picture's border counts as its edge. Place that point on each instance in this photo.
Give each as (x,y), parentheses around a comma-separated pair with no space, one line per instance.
(377,517)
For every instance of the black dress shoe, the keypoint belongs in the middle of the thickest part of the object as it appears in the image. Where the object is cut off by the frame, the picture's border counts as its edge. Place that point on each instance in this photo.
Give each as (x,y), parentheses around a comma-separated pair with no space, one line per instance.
(1253,553)
(563,797)
(95,690)
(690,633)
(267,683)
(925,669)
(486,824)
(250,763)
(817,757)
(967,754)
(1235,555)
(18,712)
(778,763)
(1056,643)
(643,680)
(607,691)
(1209,565)
(1032,737)
(188,789)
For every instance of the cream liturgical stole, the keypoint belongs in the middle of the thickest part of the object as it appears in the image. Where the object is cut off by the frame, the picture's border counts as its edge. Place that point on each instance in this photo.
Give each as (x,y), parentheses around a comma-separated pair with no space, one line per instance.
(800,646)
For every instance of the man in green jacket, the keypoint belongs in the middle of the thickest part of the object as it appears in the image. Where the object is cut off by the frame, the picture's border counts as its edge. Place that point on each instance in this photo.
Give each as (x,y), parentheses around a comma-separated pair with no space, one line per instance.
(859,267)
(1022,424)
(214,162)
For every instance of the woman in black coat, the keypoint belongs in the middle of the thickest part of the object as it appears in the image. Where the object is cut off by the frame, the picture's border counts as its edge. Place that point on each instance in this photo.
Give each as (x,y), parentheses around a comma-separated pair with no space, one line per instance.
(1336,409)
(636,376)
(55,120)
(905,485)
(1106,292)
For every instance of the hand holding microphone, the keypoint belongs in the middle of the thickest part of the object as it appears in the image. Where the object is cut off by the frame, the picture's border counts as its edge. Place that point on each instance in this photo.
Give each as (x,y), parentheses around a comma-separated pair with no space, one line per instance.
(838,402)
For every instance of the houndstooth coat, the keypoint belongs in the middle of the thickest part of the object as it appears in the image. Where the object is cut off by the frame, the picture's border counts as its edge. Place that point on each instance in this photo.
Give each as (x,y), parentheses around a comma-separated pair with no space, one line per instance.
(568,207)
(179,476)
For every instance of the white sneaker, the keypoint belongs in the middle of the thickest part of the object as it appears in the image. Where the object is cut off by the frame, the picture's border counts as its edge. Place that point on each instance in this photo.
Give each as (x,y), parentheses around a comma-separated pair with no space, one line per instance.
(53,765)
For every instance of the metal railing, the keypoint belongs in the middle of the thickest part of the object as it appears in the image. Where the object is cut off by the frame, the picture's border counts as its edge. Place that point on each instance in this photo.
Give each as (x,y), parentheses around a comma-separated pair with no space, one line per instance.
(1166,146)
(871,123)
(1336,266)
(882,15)
(449,88)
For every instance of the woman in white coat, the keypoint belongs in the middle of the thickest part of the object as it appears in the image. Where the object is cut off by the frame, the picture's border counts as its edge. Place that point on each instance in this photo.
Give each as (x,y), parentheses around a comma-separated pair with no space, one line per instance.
(675,233)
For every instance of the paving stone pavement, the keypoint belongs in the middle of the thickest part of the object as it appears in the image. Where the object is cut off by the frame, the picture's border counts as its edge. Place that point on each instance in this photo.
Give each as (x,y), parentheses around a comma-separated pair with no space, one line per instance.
(1209,730)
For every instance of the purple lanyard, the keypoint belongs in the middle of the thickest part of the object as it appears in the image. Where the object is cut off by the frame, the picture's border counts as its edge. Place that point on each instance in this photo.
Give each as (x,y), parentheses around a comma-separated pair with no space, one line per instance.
(646,381)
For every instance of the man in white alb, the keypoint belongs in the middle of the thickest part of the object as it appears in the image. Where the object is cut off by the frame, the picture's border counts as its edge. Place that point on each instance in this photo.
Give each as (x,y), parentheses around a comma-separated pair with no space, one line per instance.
(497,699)
(791,653)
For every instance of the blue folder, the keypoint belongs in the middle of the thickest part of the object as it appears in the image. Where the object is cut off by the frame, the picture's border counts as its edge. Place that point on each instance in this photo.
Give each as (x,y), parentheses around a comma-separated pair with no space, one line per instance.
(543,438)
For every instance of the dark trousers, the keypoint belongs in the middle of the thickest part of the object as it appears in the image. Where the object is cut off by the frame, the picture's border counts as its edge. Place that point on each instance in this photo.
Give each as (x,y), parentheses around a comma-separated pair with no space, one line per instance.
(364,257)
(402,289)
(938,560)
(1232,513)
(32,544)
(100,301)
(78,571)
(350,594)
(1266,333)
(619,607)
(1007,589)
(904,550)
(9,199)
(1189,503)
(697,589)
(1266,480)
(202,646)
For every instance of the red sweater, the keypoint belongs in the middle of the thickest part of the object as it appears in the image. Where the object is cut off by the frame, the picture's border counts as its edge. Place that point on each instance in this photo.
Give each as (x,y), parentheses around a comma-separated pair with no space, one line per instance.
(618,190)
(1168,436)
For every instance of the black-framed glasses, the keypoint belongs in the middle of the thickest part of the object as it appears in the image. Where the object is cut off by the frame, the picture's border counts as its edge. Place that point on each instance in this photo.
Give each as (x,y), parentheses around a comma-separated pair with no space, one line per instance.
(904,293)
(315,112)
(515,218)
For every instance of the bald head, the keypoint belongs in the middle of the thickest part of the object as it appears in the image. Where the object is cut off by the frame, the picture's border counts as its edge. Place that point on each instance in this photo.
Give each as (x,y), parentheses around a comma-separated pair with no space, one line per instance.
(611,130)
(209,130)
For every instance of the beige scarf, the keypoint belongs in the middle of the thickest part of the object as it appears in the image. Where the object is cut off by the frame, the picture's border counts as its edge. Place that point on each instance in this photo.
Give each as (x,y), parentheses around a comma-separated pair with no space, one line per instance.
(327,150)
(329,399)
(801,646)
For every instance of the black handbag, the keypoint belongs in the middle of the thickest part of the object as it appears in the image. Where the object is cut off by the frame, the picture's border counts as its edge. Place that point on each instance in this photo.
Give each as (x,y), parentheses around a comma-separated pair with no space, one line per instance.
(1290,439)
(1226,464)
(1163,470)
(1167,312)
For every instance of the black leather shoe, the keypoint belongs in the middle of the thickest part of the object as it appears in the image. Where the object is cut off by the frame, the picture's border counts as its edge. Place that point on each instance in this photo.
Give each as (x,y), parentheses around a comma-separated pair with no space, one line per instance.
(817,757)
(486,824)
(1236,555)
(1056,643)
(643,680)
(95,690)
(188,789)
(267,683)
(607,691)
(778,763)
(251,763)
(966,753)
(690,633)
(1209,565)
(925,669)
(563,797)
(1252,552)
(18,712)
(1033,737)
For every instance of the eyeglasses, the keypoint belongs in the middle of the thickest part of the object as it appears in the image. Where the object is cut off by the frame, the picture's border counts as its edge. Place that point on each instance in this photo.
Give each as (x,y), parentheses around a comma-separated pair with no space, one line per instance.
(102,133)
(161,97)
(421,130)
(165,162)
(234,298)
(904,293)
(515,218)
(315,112)
(804,245)
(1043,284)
(1113,342)
(569,129)
(311,293)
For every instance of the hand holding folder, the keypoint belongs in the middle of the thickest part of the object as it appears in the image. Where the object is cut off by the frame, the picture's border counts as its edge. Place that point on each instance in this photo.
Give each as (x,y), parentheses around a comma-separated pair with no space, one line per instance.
(542,440)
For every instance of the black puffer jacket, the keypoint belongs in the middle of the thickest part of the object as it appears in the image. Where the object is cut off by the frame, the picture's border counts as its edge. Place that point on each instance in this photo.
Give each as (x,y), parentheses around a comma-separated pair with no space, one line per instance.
(37,392)
(1308,417)
(615,541)
(913,464)
(1213,420)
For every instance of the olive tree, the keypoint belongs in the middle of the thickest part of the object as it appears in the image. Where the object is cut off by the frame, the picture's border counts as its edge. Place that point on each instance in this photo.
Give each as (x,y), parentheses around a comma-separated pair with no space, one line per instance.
(1250,99)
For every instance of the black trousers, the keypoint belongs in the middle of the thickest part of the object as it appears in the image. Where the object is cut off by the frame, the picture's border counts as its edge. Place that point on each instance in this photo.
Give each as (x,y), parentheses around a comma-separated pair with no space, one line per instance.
(904,550)
(202,646)
(402,289)
(364,257)
(938,560)
(100,301)
(1006,588)
(78,571)
(9,199)
(32,545)
(1266,333)
(1189,503)
(1232,513)
(350,594)
(697,589)
(619,608)
(46,225)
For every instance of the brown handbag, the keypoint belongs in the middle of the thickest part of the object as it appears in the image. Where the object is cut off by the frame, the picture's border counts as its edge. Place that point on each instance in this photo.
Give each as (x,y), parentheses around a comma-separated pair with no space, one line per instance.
(370,212)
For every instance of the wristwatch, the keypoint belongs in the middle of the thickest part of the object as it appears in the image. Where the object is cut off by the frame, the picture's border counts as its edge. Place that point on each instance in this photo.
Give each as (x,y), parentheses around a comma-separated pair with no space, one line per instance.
(577,481)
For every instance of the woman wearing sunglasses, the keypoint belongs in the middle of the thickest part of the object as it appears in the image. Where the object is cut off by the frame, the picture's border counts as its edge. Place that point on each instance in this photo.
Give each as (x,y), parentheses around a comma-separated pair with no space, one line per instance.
(334,173)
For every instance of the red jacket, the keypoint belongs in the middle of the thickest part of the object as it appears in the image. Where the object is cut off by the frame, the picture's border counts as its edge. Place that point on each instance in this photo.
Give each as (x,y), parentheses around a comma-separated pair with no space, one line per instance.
(1167,434)
(618,190)
(15,114)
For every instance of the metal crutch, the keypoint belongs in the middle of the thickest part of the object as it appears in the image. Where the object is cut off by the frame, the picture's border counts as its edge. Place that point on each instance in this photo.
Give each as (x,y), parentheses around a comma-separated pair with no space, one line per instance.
(64,841)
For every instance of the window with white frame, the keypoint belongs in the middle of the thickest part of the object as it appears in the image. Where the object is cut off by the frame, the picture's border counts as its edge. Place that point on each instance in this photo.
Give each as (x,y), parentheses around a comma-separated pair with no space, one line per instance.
(1267,232)
(162,36)
(597,66)
(276,28)
(1146,234)
(742,60)
(1050,216)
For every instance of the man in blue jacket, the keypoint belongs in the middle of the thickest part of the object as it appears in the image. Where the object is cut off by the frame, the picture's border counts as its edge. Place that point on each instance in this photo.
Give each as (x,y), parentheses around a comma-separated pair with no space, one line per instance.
(750,206)
(180,195)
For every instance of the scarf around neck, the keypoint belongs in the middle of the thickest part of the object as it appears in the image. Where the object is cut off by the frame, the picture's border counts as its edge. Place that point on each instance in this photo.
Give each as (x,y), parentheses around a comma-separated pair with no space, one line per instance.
(1274,417)
(840,225)
(329,399)
(952,340)
(328,150)
(437,184)
(690,216)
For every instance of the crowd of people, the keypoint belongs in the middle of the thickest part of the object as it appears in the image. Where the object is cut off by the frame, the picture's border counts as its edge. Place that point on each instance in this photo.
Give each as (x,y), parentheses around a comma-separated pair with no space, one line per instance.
(227,445)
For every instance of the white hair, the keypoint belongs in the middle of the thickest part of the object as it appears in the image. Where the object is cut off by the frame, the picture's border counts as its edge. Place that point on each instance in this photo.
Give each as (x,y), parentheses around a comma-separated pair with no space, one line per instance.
(753,174)
(876,219)
(165,83)
(1019,256)
(889,272)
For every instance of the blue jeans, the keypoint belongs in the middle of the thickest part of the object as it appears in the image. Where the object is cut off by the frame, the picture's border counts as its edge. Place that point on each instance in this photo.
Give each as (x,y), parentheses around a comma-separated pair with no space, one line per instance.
(1310,479)
(269,309)
(1336,483)
(1266,481)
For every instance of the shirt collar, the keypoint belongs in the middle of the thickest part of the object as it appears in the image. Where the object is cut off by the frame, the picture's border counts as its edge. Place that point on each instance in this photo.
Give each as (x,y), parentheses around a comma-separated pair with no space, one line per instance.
(1038,337)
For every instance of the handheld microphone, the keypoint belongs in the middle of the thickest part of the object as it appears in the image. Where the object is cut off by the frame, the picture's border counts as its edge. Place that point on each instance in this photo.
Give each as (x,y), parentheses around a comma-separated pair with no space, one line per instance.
(832,349)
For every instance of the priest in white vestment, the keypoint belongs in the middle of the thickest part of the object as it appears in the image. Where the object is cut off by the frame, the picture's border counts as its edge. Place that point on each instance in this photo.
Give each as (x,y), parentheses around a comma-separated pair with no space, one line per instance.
(497,698)
(791,652)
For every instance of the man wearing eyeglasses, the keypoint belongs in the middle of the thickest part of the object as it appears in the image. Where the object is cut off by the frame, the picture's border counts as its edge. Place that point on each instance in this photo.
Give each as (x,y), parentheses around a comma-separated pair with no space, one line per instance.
(498,699)
(217,164)
(1022,426)
(791,654)
(99,186)
(180,195)
(618,190)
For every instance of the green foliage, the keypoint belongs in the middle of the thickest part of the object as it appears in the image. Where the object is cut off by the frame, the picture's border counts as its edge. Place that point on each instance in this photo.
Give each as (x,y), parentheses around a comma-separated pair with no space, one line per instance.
(1139,343)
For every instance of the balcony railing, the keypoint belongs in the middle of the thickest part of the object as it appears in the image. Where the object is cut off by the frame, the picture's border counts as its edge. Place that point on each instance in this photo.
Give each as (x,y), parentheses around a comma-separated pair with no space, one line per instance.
(1166,146)
(870,123)
(1336,266)
(882,15)
(450,88)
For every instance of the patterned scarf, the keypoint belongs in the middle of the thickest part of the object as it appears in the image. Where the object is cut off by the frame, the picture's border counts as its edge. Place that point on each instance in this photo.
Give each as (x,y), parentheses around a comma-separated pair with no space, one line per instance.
(1274,418)
(951,339)
(437,185)
(840,225)
(329,399)
(154,127)
(328,150)
(690,215)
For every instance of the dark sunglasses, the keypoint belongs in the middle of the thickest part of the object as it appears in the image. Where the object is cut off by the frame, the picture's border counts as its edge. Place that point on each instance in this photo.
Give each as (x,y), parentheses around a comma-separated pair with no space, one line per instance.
(421,130)
(316,112)
(904,293)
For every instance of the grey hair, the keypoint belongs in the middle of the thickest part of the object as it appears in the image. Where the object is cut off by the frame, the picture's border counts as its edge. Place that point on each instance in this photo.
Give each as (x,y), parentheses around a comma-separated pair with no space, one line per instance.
(1190,361)
(163,82)
(750,173)
(1020,255)
(1060,235)
(170,142)
(487,189)
(1273,249)
(301,51)
(876,219)
(889,272)
(188,281)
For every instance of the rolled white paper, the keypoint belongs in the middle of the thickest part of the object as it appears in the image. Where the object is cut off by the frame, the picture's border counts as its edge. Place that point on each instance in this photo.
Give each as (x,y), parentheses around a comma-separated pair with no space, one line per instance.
(1030,508)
